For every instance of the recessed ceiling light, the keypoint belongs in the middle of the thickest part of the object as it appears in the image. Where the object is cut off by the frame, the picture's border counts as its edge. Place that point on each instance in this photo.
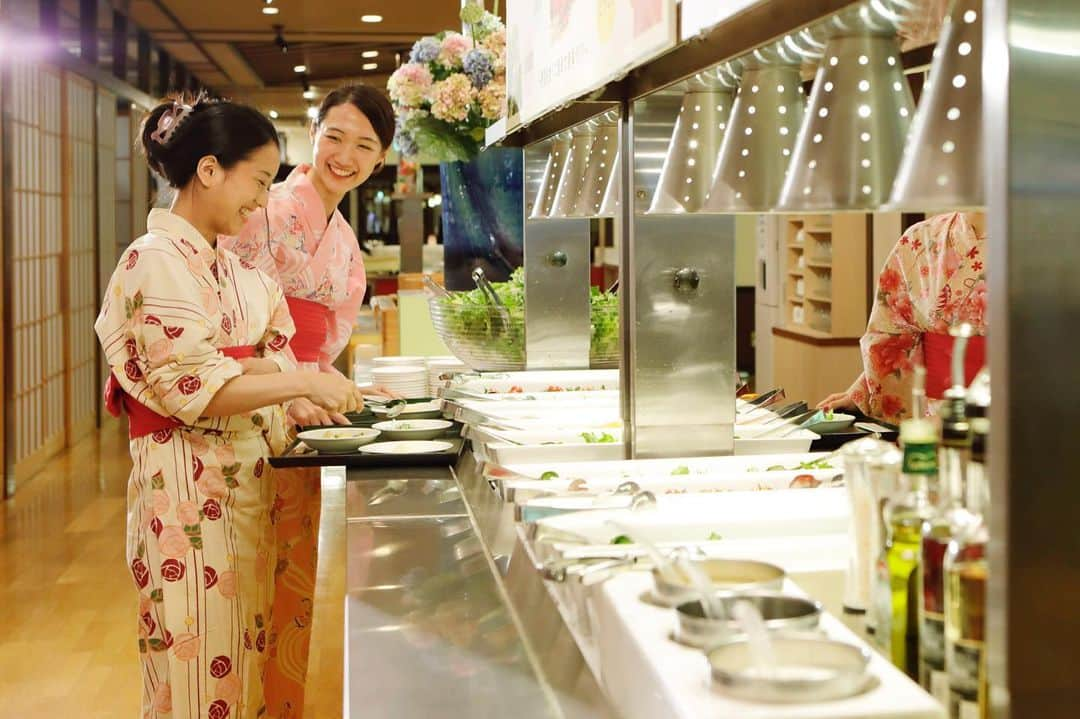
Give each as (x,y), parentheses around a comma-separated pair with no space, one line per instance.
(371,18)
(299,68)
(369,53)
(309,94)
(270,10)
(273,114)
(370,65)
(313,112)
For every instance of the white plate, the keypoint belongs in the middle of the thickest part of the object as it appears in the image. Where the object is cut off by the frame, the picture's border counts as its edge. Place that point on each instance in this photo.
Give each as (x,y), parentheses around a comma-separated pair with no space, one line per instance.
(338,439)
(412,428)
(413,447)
(403,361)
(838,422)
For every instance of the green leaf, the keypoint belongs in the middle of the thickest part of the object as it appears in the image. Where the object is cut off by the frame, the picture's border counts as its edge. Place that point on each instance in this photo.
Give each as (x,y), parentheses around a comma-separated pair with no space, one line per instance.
(156,645)
(231,469)
(621,539)
(714,536)
(196,542)
(681,469)
(142,646)
(141,551)
(157,596)
(549,475)
(157,481)
(230,482)
(259,621)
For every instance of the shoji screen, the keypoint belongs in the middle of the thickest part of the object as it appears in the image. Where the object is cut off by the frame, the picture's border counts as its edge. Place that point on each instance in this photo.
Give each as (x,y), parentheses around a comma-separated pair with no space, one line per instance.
(108,197)
(81,271)
(37,392)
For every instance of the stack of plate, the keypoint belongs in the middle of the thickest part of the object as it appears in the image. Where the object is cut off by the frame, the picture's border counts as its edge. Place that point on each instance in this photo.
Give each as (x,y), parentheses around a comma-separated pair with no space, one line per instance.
(407,381)
(437,366)
(398,361)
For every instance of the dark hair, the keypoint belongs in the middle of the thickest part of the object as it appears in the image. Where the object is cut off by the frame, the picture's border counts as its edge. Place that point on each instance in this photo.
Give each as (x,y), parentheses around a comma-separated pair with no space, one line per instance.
(368,100)
(204,126)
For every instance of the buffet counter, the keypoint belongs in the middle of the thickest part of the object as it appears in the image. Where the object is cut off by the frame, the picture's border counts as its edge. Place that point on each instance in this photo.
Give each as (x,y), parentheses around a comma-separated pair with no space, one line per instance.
(447,615)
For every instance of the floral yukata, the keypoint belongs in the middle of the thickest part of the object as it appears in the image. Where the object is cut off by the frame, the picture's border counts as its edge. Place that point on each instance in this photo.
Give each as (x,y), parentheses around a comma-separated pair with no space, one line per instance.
(200,540)
(934,278)
(318,263)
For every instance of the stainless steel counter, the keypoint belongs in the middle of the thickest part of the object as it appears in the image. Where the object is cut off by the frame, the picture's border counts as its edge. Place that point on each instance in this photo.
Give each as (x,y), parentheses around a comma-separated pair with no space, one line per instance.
(444,615)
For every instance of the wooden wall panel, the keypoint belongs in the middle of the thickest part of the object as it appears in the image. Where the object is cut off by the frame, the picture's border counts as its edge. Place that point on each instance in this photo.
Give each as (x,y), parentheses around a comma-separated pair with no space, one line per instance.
(81,381)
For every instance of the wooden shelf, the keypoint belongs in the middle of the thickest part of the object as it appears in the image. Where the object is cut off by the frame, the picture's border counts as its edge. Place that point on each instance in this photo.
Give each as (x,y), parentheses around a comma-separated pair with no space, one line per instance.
(819,265)
(795,273)
(821,300)
(796,246)
(795,300)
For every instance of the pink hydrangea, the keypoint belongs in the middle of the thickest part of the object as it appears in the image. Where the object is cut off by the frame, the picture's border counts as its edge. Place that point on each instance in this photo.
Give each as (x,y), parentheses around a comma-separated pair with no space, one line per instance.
(496,44)
(451,98)
(410,84)
(454,47)
(492,100)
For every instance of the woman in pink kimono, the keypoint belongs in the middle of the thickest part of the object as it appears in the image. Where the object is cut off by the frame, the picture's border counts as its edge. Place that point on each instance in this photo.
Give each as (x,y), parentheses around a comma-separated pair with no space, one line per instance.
(304,242)
(934,278)
(196,341)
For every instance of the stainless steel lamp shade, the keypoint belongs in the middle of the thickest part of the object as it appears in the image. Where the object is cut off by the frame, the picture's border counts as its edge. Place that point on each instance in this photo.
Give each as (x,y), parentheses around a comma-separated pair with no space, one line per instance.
(688,166)
(572,177)
(757,146)
(851,140)
(549,183)
(602,171)
(942,167)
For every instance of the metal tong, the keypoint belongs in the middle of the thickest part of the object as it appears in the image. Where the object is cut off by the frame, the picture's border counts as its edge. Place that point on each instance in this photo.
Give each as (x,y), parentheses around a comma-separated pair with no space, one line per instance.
(434,287)
(485,287)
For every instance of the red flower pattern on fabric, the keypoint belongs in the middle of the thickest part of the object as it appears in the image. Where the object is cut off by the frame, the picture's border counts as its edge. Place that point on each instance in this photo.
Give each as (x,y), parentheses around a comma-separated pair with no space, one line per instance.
(220,666)
(189,384)
(212,510)
(152,320)
(278,342)
(890,280)
(173,332)
(132,370)
(891,354)
(132,260)
(156,526)
(162,436)
(210,576)
(257,470)
(219,709)
(891,405)
(172,570)
(140,572)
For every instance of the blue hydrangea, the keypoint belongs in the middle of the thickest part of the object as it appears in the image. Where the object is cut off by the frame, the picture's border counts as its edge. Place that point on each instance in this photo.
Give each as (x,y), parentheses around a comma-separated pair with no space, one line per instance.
(479,68)
(424,50)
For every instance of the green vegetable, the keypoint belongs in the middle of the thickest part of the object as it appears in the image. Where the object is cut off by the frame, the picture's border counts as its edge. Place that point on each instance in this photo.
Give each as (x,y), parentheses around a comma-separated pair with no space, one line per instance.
(828,415)
(622,539)
(682,469)
(714,536)
(478,329)
(602,438)
(549,475)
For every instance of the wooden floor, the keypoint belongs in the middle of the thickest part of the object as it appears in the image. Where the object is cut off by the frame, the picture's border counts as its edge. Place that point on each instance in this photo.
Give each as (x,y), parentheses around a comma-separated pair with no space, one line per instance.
(67,602)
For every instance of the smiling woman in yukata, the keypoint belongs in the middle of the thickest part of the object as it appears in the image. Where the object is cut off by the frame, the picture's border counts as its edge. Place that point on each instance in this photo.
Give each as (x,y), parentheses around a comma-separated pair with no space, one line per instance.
(196,341)
(305,243)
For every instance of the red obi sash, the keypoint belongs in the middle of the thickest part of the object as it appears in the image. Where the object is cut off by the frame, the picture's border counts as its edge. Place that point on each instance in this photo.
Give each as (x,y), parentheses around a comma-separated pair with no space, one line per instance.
(141,419)
(312,321)
(937,355)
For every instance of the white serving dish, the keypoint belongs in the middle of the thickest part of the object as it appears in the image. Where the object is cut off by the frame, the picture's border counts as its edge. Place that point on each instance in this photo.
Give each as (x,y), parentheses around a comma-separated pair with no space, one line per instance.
(415,410)
(413,429)
(536,381)
(338,440)
(406,447)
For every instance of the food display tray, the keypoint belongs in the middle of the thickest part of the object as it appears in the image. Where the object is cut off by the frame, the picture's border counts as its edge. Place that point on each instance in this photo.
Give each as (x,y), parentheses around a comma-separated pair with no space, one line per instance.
(370,461)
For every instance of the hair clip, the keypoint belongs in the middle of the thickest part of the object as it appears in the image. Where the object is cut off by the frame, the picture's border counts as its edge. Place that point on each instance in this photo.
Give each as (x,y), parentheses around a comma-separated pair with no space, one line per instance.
(169,121)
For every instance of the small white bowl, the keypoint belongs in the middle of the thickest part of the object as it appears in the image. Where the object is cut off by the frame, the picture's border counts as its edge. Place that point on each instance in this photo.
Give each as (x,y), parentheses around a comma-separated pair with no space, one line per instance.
(415,410)
(413,429)
(338,440)
(838,422)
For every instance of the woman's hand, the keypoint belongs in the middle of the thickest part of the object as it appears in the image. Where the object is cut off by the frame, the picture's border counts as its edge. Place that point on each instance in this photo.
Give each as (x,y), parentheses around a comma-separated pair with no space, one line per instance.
(259,365)
(839,400)
(305,413)
(333,392)
(380,391)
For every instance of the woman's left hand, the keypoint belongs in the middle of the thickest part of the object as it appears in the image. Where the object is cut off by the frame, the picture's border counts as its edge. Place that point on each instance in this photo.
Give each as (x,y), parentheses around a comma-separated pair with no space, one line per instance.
(380,391)
(259,365)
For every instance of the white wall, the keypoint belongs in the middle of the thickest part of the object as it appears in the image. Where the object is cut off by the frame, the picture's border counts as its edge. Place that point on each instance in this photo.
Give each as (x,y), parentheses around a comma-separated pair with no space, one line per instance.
(298,148)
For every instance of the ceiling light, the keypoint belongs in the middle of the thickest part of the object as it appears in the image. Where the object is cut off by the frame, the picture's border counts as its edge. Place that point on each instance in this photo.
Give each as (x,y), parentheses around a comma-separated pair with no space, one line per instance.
(943,158)
(279,38)
(299,68)
(371,18)
(692,151)
(370,65)
(273,114)
(309,94)
(369,54)
(840,179)
(270,10)
(313,112)
(750,167)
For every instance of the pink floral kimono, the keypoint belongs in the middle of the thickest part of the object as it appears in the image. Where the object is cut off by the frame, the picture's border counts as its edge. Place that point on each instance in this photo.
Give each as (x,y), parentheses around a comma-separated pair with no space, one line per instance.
(319,265)
(934,278)
(199,536)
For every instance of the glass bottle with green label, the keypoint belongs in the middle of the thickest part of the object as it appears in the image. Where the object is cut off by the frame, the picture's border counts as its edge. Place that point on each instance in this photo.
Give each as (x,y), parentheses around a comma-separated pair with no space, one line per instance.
(911,509)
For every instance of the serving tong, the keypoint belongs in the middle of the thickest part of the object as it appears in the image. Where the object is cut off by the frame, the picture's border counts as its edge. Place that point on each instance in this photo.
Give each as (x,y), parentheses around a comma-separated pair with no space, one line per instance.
(485,287)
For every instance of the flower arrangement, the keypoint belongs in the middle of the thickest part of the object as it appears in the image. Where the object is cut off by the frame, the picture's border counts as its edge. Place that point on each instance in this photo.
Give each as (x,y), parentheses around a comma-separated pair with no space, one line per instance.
(451,89)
